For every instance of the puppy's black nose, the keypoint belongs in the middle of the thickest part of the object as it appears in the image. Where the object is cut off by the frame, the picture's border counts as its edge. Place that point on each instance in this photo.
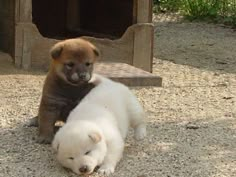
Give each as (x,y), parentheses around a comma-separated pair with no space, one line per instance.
(83,169)
(82,76)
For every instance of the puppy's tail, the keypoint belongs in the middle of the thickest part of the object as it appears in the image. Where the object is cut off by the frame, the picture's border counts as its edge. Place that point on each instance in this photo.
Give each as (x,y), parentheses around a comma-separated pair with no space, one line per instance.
(137,117)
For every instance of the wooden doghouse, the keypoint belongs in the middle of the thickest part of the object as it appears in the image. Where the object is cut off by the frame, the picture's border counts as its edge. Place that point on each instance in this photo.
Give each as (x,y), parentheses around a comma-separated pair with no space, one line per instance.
(121,29)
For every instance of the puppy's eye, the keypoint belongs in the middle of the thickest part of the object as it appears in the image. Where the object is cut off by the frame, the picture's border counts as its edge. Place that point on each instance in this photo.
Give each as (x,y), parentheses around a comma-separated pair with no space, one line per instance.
(88,64)
(86,153)
(71,158)
(69,65)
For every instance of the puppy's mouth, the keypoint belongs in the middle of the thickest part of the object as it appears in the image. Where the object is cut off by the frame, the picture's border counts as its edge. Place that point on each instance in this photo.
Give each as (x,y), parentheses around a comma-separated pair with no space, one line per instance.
(76,79)
(85,173)
(72,82)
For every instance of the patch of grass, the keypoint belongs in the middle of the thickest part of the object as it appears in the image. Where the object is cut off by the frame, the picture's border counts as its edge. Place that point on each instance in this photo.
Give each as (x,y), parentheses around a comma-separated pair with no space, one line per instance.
(166,5)
(200,9)
(218,11)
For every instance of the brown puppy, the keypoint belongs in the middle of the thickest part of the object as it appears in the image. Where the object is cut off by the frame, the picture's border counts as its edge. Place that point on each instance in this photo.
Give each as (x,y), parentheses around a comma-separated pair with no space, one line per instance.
(67,82)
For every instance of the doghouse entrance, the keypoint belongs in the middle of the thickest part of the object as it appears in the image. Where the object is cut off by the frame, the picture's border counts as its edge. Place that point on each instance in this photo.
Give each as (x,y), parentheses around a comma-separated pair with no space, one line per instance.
(73,18)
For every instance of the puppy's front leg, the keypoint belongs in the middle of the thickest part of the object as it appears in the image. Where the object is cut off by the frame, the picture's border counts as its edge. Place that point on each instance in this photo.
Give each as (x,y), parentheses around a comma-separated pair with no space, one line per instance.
(47,119)
(46,130)
(115,148)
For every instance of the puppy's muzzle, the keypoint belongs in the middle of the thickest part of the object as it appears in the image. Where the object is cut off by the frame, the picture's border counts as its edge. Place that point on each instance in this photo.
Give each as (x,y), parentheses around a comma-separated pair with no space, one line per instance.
(75,77)
(84,169)
(80,77)
(84,76)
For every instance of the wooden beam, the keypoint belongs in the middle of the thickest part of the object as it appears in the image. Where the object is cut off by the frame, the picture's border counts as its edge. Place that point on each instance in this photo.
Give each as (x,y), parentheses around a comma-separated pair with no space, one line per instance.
(143,46)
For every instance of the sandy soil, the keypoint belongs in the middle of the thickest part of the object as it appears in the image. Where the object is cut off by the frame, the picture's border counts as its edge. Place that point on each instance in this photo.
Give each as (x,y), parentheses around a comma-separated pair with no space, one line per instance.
(191,119)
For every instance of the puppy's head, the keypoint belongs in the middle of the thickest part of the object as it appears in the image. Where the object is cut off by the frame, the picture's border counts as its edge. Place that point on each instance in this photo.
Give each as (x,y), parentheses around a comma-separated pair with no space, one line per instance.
(73,60)
(80,146)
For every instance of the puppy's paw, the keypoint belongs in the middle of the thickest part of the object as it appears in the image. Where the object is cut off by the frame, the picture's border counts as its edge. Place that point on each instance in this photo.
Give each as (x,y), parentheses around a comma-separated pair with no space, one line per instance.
(33,122)
(44,140)
(140,132)
(106,169)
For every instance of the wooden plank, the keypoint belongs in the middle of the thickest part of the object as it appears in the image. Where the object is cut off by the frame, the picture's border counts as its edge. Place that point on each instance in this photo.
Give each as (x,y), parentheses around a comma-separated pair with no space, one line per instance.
(40,52)
(143,47)
(119,50)
(127,74)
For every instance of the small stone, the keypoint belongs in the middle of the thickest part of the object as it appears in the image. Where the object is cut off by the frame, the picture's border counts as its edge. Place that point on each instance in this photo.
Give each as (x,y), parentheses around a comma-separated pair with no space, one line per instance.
(227,97)
(192,126)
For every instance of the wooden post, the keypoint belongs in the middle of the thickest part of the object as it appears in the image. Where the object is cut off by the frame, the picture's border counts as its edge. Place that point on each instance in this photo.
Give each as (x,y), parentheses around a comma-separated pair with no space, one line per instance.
(18,46)
(144,11)
(23,38)
(27,43)
(143,36)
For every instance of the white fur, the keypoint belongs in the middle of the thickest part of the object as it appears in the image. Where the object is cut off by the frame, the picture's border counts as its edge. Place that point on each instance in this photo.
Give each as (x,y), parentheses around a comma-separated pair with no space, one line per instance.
(99,124)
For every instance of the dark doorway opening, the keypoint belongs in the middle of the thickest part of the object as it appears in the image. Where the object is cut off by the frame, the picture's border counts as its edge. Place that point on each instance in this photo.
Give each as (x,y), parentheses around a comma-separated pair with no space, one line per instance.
(73,18)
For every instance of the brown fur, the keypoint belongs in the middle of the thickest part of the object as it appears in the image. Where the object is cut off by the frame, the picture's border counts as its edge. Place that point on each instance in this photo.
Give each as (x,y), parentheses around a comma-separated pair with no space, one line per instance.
(61,93)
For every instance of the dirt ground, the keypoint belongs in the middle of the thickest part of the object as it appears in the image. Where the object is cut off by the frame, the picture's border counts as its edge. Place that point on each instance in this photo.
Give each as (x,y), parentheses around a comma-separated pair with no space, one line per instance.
(191,119)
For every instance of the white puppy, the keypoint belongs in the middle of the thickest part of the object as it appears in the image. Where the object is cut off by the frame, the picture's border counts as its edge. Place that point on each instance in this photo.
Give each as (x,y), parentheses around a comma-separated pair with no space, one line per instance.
(95,130)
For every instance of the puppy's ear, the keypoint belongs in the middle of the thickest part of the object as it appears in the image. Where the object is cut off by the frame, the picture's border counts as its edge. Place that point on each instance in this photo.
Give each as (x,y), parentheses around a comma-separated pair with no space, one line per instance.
(56,51)
(95,137)
(96,52)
